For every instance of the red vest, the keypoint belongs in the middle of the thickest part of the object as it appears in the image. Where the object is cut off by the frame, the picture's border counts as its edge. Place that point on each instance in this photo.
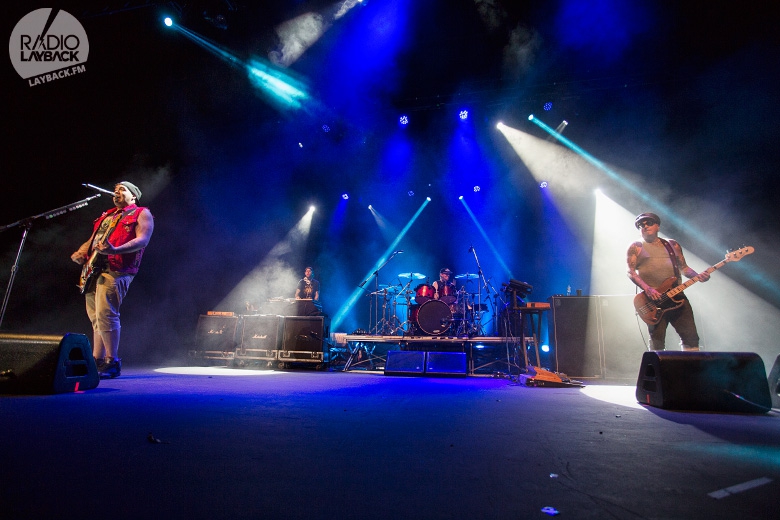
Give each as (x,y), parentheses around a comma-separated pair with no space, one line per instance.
(124,232)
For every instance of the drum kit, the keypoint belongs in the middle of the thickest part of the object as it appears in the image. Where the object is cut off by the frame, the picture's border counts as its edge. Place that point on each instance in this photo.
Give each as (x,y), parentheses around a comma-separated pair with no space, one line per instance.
(456,312)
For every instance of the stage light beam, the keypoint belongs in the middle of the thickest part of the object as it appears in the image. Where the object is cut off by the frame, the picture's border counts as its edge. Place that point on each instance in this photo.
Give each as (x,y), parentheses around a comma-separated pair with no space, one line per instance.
(490,244)
(347,306)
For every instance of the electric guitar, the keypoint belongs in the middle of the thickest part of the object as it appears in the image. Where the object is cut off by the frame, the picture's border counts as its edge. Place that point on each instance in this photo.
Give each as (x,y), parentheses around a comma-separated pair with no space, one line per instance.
(651,311)
(95,264)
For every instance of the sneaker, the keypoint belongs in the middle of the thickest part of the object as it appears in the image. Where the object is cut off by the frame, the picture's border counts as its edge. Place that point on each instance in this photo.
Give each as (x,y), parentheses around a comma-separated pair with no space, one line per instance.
(110,368)
(99,362)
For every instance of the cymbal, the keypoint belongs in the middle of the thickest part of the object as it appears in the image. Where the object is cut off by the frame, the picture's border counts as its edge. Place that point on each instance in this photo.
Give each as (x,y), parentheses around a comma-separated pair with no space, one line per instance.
(467,276)
(413,276)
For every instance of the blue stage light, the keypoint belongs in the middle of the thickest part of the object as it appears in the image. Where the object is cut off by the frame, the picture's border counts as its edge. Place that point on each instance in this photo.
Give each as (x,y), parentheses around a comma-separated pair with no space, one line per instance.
(545,348)
(410,193)
(345,196)
(325,128)
(543,184)
(548,106)
(463,115)
(168,21)
(476,189)
(403,120)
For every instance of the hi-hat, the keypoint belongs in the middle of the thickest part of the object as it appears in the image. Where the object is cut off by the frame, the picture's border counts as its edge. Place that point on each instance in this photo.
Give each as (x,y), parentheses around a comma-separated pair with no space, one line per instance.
(413,276)
(467,276)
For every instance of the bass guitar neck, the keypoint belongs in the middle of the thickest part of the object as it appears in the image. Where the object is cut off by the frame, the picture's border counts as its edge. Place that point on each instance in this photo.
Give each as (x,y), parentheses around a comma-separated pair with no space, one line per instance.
(650,311)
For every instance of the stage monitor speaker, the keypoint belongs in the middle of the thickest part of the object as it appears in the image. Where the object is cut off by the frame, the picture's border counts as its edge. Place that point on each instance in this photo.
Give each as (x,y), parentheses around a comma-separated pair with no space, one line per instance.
(774,383)
(704,381)
(303,333)
(405,363)
(216,333)
(46,364)
(574,332)
(262,332)
(445,364)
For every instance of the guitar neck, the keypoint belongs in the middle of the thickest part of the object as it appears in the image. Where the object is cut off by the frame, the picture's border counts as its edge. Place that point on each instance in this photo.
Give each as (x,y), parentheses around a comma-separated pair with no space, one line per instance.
(680,288)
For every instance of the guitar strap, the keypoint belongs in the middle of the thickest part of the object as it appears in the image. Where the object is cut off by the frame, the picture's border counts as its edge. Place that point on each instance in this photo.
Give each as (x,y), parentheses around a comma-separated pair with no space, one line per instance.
(673,256)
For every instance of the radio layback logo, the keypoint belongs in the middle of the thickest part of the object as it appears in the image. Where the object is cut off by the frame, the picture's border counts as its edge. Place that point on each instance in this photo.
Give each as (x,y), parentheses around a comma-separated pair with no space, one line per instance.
(48,44)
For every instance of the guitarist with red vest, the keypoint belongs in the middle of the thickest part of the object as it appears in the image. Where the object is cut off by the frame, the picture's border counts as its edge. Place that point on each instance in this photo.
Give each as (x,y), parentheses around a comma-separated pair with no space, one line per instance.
(655,266)
(110,260)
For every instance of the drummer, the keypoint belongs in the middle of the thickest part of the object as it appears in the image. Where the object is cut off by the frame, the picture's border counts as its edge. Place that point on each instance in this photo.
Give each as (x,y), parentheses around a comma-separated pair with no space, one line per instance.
(444,288)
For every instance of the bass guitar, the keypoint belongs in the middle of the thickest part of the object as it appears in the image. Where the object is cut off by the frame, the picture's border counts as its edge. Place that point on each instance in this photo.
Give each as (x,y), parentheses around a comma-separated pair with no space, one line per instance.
(651,311)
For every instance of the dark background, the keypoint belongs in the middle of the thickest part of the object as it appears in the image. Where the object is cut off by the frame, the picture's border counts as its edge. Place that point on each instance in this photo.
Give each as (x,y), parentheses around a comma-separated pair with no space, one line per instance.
(681,95)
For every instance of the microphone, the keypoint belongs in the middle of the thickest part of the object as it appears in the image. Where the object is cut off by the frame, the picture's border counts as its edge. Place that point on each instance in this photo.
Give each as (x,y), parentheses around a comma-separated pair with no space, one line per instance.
(96,188)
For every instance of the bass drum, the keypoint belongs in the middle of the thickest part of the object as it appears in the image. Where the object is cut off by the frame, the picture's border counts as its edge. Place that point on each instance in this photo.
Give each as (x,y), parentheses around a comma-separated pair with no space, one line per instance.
(434,317)
(423,293)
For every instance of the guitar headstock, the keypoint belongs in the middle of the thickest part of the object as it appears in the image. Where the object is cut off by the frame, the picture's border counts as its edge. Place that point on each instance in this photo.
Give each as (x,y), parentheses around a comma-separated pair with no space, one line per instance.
(736,255)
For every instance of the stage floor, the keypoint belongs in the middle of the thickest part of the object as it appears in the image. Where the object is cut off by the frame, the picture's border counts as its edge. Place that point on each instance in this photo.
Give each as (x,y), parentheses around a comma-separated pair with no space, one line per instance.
(215,442)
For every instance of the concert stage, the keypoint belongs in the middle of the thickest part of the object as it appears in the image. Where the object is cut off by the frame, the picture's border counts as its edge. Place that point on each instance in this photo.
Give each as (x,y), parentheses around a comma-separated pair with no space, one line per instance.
(482,354)
(215,442)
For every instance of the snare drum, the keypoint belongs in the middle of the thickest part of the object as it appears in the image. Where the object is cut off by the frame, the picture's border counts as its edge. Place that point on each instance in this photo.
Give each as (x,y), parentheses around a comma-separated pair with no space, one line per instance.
(434,317)
(423,293)
(447,294)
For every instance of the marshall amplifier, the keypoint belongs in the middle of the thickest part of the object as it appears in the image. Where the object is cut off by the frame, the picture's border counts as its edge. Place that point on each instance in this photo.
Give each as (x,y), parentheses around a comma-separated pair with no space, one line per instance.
(216,340)
(261,340)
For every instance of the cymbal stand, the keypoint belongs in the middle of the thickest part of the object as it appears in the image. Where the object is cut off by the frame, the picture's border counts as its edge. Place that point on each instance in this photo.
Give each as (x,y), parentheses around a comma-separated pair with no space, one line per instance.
(406,292)
(373,309)
(392,323)
(381,325)
(395,323)
(407,324)
(462,307)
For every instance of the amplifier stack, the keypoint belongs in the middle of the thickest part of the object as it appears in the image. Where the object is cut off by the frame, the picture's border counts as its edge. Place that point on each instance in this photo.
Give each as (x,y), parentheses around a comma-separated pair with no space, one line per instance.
(259,341)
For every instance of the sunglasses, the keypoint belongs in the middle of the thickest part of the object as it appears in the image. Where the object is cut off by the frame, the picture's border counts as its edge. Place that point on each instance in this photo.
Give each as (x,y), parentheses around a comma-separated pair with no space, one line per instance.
(646,223)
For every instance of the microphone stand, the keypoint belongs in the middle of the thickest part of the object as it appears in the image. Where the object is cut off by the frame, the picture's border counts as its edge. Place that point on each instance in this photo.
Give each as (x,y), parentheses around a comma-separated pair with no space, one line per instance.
(26,224)
(484,283)
(375,274)
(488,286)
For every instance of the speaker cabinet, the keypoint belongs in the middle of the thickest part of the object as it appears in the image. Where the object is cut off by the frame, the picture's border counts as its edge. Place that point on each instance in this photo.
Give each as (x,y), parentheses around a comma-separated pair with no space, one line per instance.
(704,381)
(774,383)
(216,333)
(405,363)
(445,364)
(46,364)
(262,332)
(595,336)
(575,336)
(303,333)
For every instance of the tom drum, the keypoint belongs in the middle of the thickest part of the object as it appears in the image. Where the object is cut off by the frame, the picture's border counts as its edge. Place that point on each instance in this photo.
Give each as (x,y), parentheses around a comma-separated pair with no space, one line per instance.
(448,295)
(423,293)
